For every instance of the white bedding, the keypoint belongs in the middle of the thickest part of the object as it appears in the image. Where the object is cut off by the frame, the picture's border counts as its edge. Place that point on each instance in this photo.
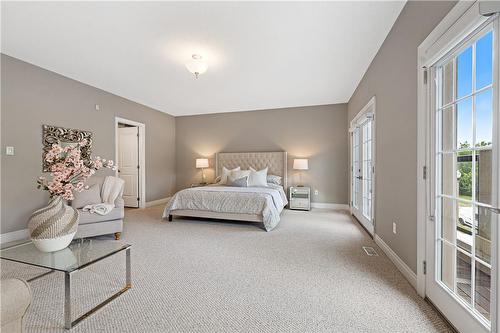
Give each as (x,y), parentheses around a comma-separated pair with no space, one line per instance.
(266,201)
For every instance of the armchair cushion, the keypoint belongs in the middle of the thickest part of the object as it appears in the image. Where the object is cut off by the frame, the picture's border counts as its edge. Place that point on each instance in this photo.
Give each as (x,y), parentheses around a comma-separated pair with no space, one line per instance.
(86,217)
(90,196)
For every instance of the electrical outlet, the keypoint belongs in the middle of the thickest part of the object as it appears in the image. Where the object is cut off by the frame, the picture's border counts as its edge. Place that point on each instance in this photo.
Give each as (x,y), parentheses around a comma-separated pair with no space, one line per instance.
(316,192)
(394,228)
(9,150)
(97,107)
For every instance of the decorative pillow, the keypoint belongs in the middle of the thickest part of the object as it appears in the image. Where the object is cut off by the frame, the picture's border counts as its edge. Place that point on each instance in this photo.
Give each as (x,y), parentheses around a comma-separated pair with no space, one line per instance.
(225,173)
(90,196)
(257,178)
(239,174)
(237,182)
(273,179)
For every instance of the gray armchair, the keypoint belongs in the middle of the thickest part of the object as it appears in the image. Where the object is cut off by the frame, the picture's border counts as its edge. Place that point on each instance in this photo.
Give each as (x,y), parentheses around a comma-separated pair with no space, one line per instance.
(15,298)
(91,224)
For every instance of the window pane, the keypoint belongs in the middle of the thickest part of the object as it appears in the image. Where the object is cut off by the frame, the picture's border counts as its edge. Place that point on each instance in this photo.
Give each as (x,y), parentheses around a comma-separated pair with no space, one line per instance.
(447,219)
(464,227)
(367,173)
(484,61)
(483,234)
(483,290)
(447,125)
(464,276)
(369,150)
(464,73)
(484,176)
(464,175)
(367,208)
(448,177)
(464,123)
(447,275)
(448,87)
(484,118)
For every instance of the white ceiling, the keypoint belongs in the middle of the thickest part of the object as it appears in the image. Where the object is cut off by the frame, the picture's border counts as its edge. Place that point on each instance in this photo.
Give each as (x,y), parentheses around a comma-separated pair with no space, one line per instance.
(260,55)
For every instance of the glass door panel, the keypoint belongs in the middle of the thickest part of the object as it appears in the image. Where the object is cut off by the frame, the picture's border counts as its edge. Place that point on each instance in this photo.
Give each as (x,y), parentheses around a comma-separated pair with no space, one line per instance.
(362,171)
(464,174)
(367,169)
(356,168)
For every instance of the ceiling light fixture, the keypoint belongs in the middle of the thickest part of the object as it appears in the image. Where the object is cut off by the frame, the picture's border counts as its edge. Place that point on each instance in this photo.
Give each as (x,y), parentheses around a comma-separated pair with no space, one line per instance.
(196,65)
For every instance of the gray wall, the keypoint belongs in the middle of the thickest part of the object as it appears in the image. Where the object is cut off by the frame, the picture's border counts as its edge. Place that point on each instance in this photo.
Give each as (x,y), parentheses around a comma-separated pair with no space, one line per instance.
(392,78)
(32,96)
(315,132)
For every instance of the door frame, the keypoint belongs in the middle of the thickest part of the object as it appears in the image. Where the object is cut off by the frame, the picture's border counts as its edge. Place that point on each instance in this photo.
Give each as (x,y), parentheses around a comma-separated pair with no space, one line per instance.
(461,21)
(369,107)
(142,155)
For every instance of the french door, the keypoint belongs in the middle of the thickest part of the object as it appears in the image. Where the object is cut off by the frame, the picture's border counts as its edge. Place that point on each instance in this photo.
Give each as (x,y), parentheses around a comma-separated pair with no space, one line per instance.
(362,167)
(461,241)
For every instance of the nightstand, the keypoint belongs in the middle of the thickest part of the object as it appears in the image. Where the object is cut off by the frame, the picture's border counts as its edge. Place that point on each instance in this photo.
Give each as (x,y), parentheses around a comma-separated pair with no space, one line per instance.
(300,198)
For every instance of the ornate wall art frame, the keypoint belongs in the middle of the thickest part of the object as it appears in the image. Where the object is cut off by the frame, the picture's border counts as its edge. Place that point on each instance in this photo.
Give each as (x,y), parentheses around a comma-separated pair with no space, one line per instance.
(64,136)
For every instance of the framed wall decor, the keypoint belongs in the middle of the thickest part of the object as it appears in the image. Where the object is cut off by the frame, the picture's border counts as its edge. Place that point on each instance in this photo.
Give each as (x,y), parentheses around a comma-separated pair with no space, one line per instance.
(65,137)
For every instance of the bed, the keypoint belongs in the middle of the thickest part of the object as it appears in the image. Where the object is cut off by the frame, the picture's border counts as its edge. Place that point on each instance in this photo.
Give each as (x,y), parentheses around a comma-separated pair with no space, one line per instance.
(252,204)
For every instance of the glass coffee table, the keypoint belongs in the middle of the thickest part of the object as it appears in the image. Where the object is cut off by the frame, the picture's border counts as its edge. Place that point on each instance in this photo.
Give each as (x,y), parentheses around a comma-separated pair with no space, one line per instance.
(78,255)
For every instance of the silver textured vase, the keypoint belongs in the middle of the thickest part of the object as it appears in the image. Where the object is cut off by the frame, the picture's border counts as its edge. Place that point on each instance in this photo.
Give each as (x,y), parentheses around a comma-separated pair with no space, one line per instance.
(52,228)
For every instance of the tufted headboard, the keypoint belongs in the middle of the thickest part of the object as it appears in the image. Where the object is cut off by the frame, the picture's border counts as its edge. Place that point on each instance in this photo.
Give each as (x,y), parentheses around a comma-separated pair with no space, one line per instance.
(275,161)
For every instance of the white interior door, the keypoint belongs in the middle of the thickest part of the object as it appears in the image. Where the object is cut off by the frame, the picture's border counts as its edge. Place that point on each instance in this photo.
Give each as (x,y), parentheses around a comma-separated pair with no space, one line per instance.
(462,241)
(128,164)
(362,170)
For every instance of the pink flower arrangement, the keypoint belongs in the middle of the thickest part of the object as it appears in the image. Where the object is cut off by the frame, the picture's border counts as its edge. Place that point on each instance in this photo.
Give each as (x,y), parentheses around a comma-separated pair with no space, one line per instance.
(68,170)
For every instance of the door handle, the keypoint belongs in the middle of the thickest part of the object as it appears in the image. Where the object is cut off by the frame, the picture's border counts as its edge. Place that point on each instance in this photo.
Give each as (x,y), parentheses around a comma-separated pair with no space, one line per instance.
(494,210)
(359,177)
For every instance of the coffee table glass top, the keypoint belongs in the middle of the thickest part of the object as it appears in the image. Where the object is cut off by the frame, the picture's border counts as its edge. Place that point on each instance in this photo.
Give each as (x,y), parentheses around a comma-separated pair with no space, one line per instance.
(80,253)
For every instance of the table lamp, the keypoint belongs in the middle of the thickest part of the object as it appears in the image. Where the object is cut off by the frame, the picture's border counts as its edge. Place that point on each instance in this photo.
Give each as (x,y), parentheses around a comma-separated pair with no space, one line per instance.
(300,164)
(202,163)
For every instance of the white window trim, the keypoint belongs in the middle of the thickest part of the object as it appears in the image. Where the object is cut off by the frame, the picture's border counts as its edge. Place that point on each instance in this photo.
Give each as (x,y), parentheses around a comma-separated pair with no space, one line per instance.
(450,29)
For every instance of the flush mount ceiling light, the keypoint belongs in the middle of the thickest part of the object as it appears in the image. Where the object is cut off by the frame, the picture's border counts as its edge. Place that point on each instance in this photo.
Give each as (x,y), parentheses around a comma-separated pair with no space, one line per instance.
(196,65)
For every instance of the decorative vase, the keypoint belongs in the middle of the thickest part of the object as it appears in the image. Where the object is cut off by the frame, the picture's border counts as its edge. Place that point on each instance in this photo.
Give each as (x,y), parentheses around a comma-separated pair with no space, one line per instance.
(52,228)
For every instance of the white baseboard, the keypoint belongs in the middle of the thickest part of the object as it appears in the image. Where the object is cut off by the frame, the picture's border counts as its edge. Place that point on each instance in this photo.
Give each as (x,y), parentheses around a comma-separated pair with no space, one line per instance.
(400,264)
(329,205)
(157,202)
(14,236)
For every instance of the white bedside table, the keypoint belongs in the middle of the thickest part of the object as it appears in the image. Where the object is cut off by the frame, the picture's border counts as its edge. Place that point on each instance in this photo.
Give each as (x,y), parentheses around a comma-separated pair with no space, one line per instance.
(300,198)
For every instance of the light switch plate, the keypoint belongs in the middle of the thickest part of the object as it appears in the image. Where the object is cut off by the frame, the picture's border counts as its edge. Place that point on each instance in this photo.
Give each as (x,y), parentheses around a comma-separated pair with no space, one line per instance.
(9,150)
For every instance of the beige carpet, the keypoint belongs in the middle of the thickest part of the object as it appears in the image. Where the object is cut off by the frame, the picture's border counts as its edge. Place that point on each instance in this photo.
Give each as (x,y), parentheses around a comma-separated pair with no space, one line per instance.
(308,275)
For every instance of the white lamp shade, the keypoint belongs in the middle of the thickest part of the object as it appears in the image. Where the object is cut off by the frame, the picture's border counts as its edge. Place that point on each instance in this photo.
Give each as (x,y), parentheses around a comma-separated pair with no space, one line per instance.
(301,164)
(201,163)
(197,65)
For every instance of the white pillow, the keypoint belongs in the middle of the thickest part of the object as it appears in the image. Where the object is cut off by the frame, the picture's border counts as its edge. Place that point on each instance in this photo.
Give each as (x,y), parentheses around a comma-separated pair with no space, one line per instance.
(225,173)
(257,178)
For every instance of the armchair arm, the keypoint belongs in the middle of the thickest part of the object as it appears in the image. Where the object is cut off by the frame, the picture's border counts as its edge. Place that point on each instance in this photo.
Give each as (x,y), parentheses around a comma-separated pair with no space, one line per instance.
(15,300)
(119,203)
